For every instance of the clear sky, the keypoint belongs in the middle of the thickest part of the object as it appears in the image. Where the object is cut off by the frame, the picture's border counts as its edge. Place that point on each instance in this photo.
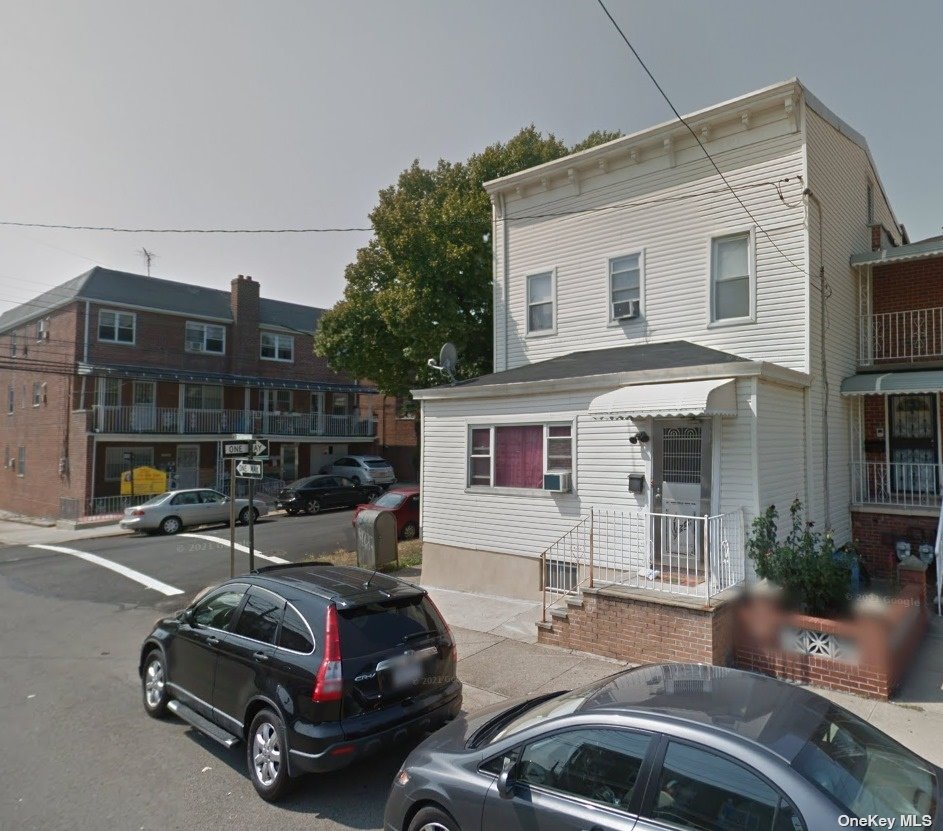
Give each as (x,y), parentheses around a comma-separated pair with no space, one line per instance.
(244,113)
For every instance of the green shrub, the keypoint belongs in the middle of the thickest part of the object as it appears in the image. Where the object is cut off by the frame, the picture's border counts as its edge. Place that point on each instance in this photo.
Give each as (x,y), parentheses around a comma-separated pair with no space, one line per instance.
(813,576)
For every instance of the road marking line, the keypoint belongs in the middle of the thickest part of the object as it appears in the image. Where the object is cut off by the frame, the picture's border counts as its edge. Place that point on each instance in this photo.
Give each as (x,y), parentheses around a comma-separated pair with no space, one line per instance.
(239,547)
(130,573)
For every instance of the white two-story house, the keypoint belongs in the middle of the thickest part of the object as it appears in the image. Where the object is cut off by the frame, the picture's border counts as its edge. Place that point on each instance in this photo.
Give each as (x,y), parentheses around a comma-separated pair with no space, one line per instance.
(669,351)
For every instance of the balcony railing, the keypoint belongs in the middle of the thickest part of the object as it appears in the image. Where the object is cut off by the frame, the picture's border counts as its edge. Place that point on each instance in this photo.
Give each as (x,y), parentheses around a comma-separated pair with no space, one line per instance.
(170,420)
(914,335)
(906,484)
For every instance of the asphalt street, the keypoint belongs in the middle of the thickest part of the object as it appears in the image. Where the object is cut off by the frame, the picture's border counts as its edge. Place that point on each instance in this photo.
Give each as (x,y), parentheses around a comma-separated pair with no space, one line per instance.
(79,751)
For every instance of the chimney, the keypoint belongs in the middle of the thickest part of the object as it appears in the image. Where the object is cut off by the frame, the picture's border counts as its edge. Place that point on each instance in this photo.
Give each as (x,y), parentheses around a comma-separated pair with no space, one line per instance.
(244,304)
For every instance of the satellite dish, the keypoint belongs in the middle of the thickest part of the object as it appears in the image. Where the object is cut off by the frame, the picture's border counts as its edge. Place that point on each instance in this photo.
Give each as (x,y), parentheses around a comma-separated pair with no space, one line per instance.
(448,358)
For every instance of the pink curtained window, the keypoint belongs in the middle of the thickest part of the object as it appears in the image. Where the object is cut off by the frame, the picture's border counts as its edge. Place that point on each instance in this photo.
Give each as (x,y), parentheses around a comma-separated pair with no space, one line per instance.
(519,457)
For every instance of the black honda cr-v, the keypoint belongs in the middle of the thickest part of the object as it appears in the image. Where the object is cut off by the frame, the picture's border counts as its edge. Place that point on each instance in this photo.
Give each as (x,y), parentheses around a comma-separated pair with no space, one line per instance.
(312,666)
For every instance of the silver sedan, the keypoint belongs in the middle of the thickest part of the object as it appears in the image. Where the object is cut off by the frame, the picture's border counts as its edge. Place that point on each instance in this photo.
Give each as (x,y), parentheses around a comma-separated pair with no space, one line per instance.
(173,511)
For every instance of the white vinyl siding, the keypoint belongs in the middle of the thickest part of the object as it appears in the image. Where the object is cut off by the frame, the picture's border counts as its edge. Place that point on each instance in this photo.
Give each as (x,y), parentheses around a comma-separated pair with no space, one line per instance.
(781,434)
(116,327)
(274,347)
(838,174)
(541,306)
(526,523)
(625,286)
(205,337)
(671,213)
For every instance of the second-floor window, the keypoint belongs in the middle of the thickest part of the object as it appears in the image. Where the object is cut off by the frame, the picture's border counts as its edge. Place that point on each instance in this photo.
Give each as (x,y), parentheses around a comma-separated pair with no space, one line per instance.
(11,399)
(116,327)
(541,315)
(37,393)
(625,287)
(275,347)
(13,346)
(21,462)
(205,337)
(731,278)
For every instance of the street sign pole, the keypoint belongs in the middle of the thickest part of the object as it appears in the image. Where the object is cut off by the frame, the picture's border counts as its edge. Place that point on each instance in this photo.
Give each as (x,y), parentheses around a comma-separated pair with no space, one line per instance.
(251,526)
(232,518)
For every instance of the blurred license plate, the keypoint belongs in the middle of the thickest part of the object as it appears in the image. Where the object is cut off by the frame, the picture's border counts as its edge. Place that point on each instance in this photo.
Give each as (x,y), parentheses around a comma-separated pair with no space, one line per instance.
(407,674)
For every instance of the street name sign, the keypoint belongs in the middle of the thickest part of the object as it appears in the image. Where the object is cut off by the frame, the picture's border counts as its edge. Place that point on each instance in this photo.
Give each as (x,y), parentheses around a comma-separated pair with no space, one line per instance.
(248,470)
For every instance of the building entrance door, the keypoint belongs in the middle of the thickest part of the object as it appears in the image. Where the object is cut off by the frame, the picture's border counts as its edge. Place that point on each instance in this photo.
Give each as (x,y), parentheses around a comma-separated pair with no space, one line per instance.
(681,482)
(188,466)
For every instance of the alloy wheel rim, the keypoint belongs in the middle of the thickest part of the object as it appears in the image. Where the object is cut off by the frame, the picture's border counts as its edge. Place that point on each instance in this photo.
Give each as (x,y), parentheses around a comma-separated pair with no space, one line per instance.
(154,683)
(266,754)
(409,532)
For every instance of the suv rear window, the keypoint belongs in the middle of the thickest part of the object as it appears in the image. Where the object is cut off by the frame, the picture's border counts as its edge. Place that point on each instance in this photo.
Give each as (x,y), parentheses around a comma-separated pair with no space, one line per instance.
(379,626)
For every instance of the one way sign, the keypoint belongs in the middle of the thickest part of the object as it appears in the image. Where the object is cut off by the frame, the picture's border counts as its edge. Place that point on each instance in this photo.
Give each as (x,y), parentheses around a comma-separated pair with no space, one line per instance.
(248,470)
(251,447)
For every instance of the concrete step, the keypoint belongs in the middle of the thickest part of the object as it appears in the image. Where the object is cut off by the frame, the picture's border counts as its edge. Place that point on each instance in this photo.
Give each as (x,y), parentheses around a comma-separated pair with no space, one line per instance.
(558,614)
(547,627)
(575,602)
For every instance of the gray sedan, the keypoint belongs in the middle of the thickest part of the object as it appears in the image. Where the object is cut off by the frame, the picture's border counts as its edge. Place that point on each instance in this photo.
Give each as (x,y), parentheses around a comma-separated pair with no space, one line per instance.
(173,511)
(673,746)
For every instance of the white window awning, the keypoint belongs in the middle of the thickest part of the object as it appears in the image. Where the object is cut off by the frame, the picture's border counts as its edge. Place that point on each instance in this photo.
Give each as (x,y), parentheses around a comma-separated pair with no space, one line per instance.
(717,396)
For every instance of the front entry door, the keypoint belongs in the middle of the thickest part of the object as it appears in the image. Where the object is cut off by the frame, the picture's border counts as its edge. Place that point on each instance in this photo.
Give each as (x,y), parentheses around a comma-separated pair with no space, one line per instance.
(913,444)
(289,462)
(681,487)
(188,466)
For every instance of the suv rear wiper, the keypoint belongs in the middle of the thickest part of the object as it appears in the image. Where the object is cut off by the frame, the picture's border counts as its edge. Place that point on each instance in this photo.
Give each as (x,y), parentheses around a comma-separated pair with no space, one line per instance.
(424,634)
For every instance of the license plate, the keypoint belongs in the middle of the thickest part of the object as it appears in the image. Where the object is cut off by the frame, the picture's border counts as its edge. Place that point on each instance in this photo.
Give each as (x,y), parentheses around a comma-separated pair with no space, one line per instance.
(407,674)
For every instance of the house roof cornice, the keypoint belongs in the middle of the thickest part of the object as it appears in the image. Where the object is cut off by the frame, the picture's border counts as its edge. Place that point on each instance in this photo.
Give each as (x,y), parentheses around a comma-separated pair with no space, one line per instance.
(785,94)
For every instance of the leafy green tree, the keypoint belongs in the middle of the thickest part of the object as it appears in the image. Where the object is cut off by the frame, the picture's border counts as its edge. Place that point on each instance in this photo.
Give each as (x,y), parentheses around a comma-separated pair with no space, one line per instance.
(425,276)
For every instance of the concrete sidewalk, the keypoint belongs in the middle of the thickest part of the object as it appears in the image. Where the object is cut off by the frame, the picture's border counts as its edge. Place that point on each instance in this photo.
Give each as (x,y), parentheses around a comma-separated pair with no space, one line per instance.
(23,533)
(499,658)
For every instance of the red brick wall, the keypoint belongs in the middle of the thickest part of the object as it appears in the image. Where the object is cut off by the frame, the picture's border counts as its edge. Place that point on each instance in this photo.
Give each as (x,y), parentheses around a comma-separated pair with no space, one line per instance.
(46,431)
(885,645)
(875,534)
(909,285)
(632,629)
(396,436)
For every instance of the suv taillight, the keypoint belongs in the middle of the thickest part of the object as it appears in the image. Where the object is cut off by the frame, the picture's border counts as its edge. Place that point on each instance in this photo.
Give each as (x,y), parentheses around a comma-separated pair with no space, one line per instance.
(329,682)
(454,649)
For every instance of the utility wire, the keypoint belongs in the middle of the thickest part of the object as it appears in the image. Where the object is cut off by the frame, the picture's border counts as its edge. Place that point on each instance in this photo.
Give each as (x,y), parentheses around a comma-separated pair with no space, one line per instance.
(700,143)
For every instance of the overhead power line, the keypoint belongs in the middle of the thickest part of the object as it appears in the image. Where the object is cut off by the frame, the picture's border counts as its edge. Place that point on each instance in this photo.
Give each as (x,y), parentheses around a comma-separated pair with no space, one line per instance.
(698,140)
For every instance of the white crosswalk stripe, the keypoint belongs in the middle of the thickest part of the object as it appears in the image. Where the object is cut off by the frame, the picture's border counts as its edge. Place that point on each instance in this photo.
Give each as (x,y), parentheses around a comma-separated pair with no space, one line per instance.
(130,573)
(243,548)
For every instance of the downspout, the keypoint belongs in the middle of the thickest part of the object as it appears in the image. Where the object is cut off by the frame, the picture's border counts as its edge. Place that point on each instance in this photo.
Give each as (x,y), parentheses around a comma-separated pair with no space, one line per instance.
(505,279)
(824,292)
(85,342)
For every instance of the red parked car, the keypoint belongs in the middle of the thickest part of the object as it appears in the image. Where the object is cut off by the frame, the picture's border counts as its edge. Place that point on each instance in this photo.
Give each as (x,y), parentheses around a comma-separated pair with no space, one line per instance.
(403,503)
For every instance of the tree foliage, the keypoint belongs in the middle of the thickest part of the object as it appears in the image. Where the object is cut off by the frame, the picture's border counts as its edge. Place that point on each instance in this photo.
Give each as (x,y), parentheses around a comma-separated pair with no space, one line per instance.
(426,277)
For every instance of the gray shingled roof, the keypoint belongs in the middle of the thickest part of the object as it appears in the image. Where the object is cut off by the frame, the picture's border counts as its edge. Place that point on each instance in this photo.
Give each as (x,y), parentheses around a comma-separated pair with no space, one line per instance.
(677,353)
(123,288)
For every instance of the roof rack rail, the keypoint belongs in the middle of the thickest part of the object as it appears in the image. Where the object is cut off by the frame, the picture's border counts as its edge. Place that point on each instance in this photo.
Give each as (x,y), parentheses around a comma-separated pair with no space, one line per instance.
(280,566)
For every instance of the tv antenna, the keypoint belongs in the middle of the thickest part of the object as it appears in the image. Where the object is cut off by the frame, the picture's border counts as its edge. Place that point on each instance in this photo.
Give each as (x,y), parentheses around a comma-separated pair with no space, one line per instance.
(448,358)
(149,257)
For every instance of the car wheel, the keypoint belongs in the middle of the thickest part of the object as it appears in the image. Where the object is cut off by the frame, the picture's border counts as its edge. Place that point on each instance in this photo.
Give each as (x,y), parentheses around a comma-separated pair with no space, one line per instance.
(154,684)
(171,525)
(267,756)
(244,516)
(313,507)
(410,531)
(355,480)
(432,818)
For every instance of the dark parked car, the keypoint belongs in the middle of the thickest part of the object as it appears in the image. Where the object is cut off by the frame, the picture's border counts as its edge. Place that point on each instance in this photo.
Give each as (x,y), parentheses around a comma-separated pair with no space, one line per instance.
(313,494)
(670,746)
(312,666)
(403,503)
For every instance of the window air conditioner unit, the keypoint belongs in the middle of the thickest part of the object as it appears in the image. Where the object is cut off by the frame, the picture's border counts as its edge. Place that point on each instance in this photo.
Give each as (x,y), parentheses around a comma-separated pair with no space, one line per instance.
(625,310)
(558,482)
(194,346)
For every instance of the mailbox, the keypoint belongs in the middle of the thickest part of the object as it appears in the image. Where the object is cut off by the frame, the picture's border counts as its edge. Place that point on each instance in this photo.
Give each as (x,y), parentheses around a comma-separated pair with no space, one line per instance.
(636,482)
(376,538)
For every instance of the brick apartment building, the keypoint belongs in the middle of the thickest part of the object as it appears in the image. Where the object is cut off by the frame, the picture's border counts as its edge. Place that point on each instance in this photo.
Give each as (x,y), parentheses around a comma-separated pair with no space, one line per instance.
(113,369)
(897,467)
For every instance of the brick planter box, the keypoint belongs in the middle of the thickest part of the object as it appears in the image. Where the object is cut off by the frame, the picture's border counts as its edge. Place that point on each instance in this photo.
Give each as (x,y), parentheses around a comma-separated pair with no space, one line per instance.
(867,654)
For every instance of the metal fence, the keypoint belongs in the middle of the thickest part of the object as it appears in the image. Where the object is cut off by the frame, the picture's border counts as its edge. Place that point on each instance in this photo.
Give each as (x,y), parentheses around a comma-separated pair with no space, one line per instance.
(901,336)
(896,483)
(697,556)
